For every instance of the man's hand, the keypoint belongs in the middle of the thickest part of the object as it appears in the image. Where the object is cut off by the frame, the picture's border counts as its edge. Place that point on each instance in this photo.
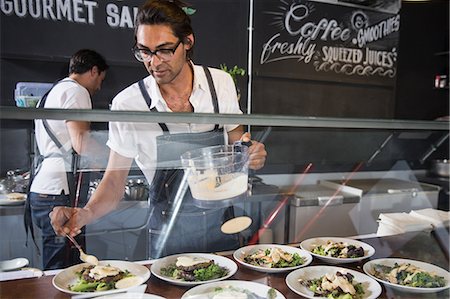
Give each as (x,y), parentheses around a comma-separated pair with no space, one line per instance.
(67,220)
(257,152)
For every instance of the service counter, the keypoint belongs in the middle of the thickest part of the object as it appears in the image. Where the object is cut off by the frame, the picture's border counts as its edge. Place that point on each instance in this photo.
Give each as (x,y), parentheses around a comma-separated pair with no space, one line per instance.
(423,246)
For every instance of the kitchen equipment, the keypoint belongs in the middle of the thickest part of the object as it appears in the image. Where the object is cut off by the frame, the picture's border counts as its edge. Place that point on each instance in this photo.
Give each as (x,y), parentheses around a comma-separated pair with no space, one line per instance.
(440,168)
(136,189)
(28,94)
(444,193)
(14,182)
(217,172)
(386,195)
(318,211)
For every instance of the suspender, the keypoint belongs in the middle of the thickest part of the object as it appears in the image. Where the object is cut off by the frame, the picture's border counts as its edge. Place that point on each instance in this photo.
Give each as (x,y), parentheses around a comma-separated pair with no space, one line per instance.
(212,90)
(52,136)
(149,103)
(70,175)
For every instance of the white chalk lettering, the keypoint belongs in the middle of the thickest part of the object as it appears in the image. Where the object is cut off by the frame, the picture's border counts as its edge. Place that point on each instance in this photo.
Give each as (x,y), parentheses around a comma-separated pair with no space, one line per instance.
(78,11)
(35,10)
(380,58)
(123,18)
(63,10)
(325,29)
(274,50)
(340,54)
(47,7)
(378,31)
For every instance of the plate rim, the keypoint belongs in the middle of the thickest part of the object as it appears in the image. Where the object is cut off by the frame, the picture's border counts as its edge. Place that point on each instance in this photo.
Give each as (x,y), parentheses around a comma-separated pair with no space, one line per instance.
(406,288)
(233,281)
(333,268)
(335,260)
(131,295)
(273,270)
(215,257)
(145,277)
(24,261)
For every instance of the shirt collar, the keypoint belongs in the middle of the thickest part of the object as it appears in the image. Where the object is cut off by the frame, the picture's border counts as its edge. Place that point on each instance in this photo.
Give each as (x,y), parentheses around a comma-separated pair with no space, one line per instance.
(200,83)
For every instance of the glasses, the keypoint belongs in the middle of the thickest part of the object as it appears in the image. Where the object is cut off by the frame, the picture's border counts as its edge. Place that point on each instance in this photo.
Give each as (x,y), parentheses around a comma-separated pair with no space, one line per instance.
(145,55)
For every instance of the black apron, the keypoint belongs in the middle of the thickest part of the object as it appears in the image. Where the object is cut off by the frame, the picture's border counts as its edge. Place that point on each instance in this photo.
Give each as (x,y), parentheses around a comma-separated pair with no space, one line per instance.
(71,175)
(193,229)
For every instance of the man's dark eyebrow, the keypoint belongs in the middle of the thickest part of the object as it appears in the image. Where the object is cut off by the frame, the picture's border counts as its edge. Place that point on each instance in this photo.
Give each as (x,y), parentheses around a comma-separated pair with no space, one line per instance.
(161,46)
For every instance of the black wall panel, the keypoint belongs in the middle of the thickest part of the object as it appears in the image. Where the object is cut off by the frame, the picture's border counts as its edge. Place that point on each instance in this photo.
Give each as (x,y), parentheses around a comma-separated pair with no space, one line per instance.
(325,99)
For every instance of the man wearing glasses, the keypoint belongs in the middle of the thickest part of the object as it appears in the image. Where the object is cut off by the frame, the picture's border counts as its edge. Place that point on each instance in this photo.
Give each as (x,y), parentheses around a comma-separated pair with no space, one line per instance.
(164,44)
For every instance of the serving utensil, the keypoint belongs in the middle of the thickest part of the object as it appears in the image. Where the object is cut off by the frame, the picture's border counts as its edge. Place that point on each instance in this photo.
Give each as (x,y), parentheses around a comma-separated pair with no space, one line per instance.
(88,258)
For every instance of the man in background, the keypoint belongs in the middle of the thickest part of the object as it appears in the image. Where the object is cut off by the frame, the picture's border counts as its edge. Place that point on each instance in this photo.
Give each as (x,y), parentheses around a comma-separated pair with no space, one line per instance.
(60,142)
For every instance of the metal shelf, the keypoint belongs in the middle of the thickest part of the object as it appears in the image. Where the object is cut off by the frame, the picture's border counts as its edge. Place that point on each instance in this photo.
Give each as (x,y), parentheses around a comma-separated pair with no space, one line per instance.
(15,113)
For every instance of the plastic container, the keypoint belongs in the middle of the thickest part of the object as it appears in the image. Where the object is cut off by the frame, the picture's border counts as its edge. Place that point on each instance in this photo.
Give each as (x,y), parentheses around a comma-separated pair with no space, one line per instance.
(217,172)
(28,94)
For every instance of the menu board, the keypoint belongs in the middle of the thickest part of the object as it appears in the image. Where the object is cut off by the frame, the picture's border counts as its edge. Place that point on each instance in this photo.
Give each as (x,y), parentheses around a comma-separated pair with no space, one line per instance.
(318,40)
(57,28)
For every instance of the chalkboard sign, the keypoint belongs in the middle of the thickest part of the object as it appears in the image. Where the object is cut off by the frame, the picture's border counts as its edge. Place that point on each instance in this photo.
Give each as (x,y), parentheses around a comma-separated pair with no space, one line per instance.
(40,32)
(59,28)
(315,40)
(44,29)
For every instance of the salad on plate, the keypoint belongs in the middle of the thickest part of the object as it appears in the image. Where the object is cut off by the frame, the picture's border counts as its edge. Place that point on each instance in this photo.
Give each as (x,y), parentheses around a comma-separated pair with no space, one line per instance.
(194,268)
(407,274)
(335,286)
(274,257)
(336,250)
(102,278)
(108,277)
(339,250)
(190,269)
(333,283)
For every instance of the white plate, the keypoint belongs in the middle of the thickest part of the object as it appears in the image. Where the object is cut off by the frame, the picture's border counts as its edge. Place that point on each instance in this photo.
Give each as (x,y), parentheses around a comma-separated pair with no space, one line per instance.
(5,201)
(368,269)
(203,290)
(168,260)
(371,287)
(131,296)
(312,243)
(244,251)
(68,276)
(13,264)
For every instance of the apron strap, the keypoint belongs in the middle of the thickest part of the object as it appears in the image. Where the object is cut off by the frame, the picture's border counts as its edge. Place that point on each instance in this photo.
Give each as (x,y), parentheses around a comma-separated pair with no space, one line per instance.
(70,174)
(148,99)
(212,90)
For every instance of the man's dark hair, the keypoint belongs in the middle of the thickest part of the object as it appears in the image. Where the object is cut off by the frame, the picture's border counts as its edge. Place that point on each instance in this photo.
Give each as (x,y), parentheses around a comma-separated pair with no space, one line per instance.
(166,12)
(84,60)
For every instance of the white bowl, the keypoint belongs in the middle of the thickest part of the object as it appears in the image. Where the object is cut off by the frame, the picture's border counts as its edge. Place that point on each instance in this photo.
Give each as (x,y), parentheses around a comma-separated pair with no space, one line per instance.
(205,290)
(69,276)
(372,288)
(168,260)
(13,264)
(241,253)
(312,243)
(368,269)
